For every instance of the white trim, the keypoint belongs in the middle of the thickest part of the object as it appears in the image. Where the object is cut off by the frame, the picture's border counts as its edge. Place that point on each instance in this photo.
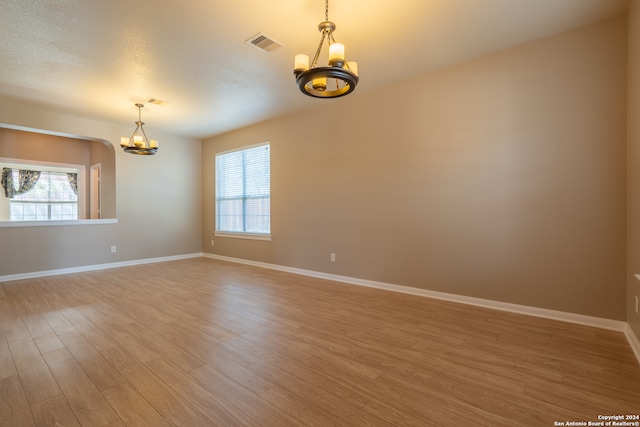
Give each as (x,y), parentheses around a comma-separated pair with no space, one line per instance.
(249,236)
(94,267)
(41,166)
(95,191)
(54,133)
(580,319)
(4,224)
(633,341)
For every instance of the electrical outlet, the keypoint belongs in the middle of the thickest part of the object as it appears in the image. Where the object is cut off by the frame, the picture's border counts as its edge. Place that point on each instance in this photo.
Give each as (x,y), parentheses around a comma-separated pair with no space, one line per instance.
(333,257)
(211,242)
(113,249)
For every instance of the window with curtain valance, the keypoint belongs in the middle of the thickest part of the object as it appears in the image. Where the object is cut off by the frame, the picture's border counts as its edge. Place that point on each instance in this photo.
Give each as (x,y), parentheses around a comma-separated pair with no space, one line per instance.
(37,195)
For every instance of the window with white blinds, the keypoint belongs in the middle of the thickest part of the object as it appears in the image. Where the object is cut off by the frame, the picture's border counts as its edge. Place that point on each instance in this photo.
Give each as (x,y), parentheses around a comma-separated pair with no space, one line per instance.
(243,191)
(51,198)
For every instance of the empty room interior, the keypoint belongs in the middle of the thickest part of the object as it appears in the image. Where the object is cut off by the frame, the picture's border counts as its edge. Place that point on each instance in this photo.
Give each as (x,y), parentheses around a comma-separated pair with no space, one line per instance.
(314,212)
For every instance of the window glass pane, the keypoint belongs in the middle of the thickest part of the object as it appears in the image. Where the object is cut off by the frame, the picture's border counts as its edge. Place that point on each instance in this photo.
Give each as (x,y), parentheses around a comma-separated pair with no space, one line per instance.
(56,211)
(30,211)
(42,211)
(16,211)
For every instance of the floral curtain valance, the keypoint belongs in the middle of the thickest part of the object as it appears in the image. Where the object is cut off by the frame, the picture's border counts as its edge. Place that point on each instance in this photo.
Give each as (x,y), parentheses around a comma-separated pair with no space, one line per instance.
(73,181)
(27,179)
(7,181)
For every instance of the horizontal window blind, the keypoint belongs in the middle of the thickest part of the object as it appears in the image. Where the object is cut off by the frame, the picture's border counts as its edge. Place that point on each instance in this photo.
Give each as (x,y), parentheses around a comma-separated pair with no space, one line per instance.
(52,198)
(243,190)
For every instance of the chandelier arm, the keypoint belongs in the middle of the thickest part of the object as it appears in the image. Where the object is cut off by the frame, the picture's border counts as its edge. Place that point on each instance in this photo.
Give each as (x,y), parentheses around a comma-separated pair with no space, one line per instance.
(346,65)
(146,140)
(315,57)
(134,134)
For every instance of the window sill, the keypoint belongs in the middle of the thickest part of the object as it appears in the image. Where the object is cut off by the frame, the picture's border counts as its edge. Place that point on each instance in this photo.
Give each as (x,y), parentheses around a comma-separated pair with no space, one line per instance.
(7,224)
(248,236)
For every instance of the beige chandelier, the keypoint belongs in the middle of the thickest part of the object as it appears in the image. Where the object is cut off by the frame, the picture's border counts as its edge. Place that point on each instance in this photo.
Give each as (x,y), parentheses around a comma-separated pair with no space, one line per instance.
(138,143)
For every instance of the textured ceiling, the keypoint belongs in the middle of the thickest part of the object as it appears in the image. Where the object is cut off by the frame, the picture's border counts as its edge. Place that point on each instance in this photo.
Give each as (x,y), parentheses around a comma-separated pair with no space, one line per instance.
(98,58)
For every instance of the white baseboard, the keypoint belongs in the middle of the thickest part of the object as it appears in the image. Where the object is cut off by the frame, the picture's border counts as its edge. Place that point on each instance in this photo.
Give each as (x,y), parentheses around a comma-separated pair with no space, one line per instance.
(497,305)
(633,341)
(94,267)
(598,322)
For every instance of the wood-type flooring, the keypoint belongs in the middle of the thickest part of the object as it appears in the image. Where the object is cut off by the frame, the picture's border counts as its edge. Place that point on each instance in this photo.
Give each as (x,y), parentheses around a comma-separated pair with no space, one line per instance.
(202,342)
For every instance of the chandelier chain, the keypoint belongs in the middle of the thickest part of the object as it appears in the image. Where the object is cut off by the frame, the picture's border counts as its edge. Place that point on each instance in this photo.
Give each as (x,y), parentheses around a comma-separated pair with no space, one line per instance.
(326,10)
(139,114)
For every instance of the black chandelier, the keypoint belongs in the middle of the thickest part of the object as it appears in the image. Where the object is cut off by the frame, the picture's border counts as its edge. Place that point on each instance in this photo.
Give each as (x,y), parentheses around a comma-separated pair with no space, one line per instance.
(338,78)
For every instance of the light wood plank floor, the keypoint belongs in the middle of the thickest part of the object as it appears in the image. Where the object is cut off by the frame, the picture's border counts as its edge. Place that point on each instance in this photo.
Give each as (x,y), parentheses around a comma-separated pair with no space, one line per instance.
(201,342)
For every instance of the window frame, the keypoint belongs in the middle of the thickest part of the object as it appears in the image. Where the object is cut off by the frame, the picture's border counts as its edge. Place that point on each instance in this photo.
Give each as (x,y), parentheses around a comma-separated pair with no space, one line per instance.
(50,167)
(240,234)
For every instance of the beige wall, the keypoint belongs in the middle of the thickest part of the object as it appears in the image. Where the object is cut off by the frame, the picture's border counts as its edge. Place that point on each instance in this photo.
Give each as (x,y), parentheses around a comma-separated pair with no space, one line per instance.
(501,178)
(633,167)
(158,201)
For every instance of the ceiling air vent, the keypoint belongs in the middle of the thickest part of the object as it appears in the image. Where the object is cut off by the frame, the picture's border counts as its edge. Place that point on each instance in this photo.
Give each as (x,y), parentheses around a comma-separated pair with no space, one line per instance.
(263,42)
(156,101)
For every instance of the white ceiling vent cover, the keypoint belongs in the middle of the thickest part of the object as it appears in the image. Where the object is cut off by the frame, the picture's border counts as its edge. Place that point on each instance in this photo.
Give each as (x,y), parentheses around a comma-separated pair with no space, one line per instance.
(156,101)
(263,42)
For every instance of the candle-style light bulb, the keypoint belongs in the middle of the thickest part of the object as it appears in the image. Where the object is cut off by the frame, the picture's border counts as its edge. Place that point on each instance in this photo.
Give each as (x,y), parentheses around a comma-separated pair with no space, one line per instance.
(320,84)
(336,55)
(301,63)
